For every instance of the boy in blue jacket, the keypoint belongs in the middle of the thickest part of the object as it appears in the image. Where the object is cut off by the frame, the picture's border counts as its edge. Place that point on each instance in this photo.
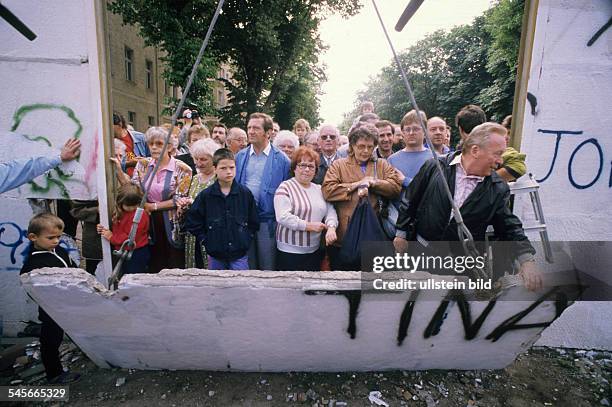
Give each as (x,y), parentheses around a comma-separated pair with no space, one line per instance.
(224,217)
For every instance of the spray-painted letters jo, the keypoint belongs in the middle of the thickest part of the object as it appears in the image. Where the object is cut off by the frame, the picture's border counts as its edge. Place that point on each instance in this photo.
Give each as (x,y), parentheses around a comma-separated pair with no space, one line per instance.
(598,159)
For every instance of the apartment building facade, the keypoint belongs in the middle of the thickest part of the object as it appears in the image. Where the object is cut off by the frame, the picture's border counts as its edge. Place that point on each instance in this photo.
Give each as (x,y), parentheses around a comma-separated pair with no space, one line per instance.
(138,89)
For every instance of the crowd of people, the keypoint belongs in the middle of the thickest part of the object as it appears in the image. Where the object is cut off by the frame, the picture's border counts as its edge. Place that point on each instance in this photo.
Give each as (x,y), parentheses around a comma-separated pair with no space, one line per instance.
(274,199)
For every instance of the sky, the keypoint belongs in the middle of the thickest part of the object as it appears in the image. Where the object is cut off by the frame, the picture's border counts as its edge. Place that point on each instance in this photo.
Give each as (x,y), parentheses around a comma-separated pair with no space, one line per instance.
(358,48)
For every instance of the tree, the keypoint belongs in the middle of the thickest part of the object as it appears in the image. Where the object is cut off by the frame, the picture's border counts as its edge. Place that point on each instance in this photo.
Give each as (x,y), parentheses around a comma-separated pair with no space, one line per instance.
(473,63)
(446,71)
(269,43)
(503,23)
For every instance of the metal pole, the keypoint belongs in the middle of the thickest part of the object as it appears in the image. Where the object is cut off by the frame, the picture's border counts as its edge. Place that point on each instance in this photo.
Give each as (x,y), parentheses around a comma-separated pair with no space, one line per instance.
(465,236)
(125,251)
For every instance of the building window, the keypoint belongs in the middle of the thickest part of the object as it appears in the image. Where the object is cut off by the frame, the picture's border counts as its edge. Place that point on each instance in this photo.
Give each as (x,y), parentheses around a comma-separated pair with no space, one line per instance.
(129,64)
(174,92)
(149,74)
(151,121)
(220,97)
(166,88)
(132,119)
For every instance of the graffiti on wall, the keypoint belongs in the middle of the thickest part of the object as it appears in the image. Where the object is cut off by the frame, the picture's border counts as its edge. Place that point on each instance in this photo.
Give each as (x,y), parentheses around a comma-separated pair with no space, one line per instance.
(600,32)
(562,296)
(73,180)
(14,238)
(598,160)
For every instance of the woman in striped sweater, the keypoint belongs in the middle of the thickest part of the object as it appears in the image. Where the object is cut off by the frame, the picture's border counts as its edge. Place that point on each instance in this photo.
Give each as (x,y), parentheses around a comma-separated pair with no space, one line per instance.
(302,215)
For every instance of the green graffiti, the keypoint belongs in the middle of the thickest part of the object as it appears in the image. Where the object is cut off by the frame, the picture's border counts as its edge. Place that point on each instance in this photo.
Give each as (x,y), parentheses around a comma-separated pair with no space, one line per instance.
(60,177)
(25,109)
(52,181)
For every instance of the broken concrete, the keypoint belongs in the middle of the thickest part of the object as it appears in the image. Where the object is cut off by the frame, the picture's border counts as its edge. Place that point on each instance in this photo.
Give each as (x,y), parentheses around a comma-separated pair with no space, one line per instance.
(272,321)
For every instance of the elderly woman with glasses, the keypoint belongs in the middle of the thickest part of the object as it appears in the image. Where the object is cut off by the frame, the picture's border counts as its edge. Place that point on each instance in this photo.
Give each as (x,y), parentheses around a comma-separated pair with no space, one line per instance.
(359,175)
(171,181)
(287,142)
(302,215)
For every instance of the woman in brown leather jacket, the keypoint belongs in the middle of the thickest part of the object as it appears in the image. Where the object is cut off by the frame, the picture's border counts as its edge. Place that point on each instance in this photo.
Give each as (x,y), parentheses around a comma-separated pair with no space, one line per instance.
(351,178)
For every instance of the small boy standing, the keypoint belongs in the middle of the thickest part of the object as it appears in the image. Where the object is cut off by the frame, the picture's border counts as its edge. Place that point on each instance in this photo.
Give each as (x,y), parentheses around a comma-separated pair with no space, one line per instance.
(44,232)
(224,217)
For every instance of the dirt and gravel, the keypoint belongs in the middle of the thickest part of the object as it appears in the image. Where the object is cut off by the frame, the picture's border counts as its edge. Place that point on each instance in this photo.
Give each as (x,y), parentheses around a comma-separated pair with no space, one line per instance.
(540,377)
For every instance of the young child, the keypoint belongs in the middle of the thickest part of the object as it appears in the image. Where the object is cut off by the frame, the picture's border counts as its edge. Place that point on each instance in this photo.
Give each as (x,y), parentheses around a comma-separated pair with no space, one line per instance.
(301,128)
(224,217)
(128,199)
(44,232)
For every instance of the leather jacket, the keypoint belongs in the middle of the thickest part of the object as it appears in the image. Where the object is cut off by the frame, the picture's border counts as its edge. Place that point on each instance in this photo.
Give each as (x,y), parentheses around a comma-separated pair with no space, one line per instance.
(426,210)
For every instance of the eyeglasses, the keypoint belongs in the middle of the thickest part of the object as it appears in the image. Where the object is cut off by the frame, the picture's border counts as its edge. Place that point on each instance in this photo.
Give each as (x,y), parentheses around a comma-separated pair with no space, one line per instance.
(409,130)
(364,147)
(328,136)
(303,166)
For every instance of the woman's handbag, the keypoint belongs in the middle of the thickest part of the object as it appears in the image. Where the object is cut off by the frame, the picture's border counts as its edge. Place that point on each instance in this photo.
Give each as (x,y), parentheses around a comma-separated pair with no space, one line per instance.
(387,212)
(363,227)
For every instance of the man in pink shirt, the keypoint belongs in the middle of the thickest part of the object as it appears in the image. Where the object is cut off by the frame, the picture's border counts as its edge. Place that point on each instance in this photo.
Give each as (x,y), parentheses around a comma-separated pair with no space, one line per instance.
(479,192)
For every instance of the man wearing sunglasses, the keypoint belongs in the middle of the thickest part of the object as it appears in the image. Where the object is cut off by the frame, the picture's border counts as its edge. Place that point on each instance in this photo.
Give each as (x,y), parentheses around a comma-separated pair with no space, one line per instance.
(328,144)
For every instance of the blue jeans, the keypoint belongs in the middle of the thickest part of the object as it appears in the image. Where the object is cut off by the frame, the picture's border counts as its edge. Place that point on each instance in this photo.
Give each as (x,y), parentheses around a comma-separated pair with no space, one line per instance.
(238,264)
(262,253)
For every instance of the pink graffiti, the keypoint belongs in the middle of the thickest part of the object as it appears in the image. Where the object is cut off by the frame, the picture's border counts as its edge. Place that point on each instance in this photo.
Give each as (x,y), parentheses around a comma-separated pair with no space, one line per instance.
(93,160)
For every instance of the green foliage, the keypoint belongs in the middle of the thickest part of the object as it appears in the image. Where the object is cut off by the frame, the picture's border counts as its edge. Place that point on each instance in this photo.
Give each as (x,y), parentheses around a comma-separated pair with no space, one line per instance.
(503,24)
(160,23)
(447,70)
(272,46)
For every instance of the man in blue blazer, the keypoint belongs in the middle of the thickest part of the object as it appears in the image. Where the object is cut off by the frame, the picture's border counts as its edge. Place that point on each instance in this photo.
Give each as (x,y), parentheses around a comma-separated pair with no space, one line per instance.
(261,167)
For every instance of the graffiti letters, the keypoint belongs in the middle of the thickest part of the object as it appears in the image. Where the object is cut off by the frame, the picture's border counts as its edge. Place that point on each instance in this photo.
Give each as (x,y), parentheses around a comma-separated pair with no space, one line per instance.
(598,159)
(512,323)
(600,32)
(471,328)
(20,237)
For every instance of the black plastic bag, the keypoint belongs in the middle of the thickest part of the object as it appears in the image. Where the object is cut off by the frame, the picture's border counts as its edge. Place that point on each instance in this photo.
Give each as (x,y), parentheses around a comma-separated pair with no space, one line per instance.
(363,227)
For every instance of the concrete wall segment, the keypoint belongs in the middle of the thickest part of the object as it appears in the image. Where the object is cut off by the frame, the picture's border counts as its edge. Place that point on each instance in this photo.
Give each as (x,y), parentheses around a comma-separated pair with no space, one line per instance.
(569,147)
(239,321)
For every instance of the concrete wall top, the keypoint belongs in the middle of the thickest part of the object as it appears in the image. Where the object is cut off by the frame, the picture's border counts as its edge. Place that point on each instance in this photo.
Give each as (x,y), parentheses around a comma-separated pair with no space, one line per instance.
(271,321)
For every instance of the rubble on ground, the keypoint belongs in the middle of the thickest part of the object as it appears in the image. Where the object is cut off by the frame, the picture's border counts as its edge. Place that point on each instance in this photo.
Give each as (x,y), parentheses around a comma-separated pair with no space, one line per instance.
(549,377)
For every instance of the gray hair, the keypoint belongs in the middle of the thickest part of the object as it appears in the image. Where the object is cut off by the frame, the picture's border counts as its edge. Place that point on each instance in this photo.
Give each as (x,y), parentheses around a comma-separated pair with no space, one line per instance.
(480,135)
(330,126)
(284,135)
(363,131)
(234,133)
(155,133)
(206,146)
(312,134)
